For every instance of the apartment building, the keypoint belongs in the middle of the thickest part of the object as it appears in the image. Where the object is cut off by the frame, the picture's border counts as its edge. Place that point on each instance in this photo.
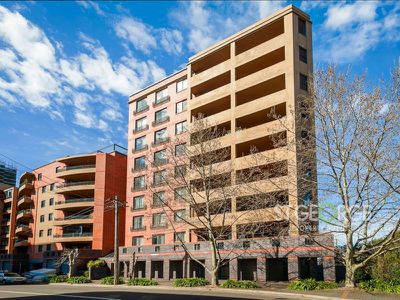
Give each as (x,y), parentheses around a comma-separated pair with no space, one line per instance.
(8,175)
(235,84)
(66,204)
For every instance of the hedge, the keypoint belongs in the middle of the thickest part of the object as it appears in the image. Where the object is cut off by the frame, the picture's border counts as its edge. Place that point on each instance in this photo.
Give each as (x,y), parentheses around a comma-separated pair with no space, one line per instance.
(311,284)
(190,282)
(109,280)
(57,279)
(379,285)
(142,282)
(240,284)
(78,280)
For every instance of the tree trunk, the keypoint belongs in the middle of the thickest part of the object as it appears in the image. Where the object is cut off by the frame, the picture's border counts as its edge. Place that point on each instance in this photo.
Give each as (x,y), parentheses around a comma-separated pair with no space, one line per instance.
(350,275)
(214,265)
(90,273)
(70,270)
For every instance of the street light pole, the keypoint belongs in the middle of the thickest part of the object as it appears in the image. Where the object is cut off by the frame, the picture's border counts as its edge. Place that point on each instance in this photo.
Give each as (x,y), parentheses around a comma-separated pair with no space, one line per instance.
(116,241)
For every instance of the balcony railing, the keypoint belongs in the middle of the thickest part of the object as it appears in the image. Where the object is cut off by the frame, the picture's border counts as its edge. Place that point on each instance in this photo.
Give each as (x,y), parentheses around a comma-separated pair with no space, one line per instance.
(161,101)
(159,226)
(160,161)
(141,109)
(73,234)
(24,211)
(133,209)
(160,120)
(22,226)
(68,168)
(138,188)
(75,200)
(141,128)
(78,217)
(68,184)
(160,141)
(138,168)
(142,148)
(138,228)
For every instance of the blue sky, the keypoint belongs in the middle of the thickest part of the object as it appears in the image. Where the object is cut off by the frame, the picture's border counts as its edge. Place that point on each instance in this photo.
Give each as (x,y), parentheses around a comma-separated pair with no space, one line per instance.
(67,68)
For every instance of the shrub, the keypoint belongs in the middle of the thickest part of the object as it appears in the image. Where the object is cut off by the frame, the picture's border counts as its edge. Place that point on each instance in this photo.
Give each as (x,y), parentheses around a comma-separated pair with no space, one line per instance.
(57,278)
(311,284)
(240,284)
(78,280)
(142,282)
(109,280)
(190,282)
(379,285)
(86,274)
(96,263)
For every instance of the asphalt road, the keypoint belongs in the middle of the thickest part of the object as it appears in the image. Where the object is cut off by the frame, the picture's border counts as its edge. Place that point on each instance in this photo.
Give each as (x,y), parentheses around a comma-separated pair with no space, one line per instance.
(44,292)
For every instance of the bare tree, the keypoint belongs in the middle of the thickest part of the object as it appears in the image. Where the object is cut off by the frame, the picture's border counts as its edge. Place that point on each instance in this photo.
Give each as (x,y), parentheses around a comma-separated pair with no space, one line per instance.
(355,144)
(71,257)
(199,174)
(132,265)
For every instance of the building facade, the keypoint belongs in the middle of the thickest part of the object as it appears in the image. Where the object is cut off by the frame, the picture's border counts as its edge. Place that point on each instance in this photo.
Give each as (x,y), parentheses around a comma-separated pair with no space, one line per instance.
(235,84)
(8,175)
(64,204)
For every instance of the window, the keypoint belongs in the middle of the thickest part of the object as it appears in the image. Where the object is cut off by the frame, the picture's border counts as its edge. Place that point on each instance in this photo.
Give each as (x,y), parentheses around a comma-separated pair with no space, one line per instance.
(196,246)
(137,241)
(179,215)
(158,239)
(181,106)
(8,194)
(159,198)
(40,233)
(179,237)
(308,172)
(303,82)
(40,248)
(52,187)
(139,182)
(141,105)
(181,127)
(180,171)
(50,217)
(138,202)
(49,232)
(162,96)
(41,218)
(161,136)
(140,143)
(307,198)
(161,116)
(181,85)
(160,177)
(140,124)
(159,220)
(303,54)
(180,149)
(140,163)
(43,203)
(39,176)
(180,193)
(48,247)
(43,189)
(302,27)
(160,157)
(51,201)
(138,222)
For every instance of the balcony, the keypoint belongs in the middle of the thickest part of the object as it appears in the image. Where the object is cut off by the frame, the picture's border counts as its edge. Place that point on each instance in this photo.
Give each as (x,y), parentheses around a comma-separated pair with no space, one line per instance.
(22,229)
(159,226)
(141,109)
(135,209)
(139,129)
(21,243)
(24,214)
(161,120)
(139,149)
(74,170)
(79,219)
(214,71)
(139,168)
(74,237)
(161,101)
(160,141)
(24,201)
(26,188)
(8,200)
(74,203)
(75,186)
(132,229)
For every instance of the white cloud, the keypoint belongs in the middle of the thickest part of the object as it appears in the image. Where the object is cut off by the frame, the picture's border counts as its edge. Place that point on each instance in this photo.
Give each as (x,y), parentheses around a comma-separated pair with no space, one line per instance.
(171,41)
(266,8)
(111,114)
(93,5)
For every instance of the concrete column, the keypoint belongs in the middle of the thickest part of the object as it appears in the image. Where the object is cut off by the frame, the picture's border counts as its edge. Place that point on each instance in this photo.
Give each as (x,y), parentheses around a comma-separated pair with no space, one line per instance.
(261,269)
(233,269)
(186,267)
(293,268)
(125,269)
(148,269)
(329,268)
(166,263)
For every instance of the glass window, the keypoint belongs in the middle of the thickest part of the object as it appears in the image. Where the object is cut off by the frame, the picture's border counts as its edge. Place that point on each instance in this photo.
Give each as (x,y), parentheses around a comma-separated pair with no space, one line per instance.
(48,247)
(159,198)
(161,115)
(43,189)
(302,27)
(180,171)
(161,136)
(160,177)
(158,239)
(160,157)
(41,218)
(179,215)
(137,241)
(141,105)
(43,203)
(159,220)
(140,143)
(179,237)
(307,198)
(138,222)
(180,193)
(181,127)
(49,232)
(8,194)
(40,233)
(52,187)
(40,248)
(138,202)
(180,149)
(181,106)
(50,217)
(39,176)
(162,95)
(303,54)
(140,163)
(303,82)
(51,201)
(139,182)
(181,85)
(141,124)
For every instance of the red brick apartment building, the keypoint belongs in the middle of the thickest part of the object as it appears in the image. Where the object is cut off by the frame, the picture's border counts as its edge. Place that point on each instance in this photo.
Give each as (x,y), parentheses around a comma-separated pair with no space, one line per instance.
(232,83)
(63,204)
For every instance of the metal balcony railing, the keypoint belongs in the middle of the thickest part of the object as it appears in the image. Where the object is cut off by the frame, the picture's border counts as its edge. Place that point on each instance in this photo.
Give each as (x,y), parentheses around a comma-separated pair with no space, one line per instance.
(159,141)
(140,128)
(161,101)
(144,147)
(160,120)
(68,184)
(74,200)
(68,168)
(141,109)
(78,217)
(73,234)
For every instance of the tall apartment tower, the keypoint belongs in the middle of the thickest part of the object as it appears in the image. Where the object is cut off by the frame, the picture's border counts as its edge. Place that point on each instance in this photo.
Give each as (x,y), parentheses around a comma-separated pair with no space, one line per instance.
(8,175)
(235,85)
(65,204)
